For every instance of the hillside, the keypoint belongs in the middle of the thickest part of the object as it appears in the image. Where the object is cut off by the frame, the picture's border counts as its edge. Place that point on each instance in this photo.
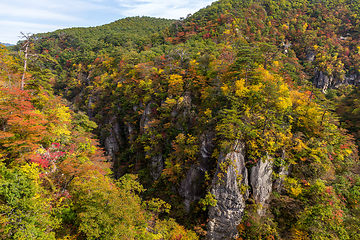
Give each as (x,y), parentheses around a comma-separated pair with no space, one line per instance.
(6,44)
(118,33)
(231,116)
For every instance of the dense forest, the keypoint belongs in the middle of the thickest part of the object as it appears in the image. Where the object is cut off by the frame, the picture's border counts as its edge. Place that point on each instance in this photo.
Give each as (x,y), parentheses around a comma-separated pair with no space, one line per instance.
(236,122)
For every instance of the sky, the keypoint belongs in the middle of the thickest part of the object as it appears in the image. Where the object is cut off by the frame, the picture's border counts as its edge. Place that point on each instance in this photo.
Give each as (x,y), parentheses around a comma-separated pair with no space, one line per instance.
(40,16)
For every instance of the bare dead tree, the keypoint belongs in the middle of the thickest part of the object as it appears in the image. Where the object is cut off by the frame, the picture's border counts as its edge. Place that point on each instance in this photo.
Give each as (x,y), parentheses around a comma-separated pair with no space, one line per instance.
(181,52)
(28,38)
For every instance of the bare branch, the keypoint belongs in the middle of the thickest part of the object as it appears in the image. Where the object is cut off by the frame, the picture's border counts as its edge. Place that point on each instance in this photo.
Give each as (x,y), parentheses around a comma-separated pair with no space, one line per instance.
(28,38)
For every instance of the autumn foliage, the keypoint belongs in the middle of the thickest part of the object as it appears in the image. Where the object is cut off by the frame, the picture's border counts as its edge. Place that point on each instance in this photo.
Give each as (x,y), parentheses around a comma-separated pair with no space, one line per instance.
(166,99)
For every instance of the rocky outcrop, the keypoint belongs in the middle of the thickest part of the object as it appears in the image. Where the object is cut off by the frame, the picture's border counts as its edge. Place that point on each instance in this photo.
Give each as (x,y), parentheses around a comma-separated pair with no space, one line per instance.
(111,142)
(325,82)
(226,187)
(206,146)
(130,131)
(322,81)
(157,166)
(261,183)
(352,79)
(310,55)
(283,172)
(191,188)
(90,111)
(145,118)
(157,162)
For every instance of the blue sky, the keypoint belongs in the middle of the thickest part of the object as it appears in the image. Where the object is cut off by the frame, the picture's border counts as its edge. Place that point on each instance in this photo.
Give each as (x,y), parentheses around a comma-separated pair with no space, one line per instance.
(38,16)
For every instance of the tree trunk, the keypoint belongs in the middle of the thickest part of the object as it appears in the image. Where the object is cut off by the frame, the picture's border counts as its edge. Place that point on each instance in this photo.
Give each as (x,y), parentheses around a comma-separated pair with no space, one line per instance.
(25,66)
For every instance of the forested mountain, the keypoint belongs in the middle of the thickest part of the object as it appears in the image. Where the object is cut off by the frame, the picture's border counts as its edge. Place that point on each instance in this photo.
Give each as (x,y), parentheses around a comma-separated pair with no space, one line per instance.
(6,44)
(233,120)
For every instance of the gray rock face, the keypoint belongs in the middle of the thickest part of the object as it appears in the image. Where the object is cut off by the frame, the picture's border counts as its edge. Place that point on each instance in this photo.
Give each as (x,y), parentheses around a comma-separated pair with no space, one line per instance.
(310,56)
(227,214)
(111,142)
(353,79)
(206,146)
(283,172)
(325,82)
(261,183)
(145,118)
(130,131)
(157,162)
(191,187)
(185,105)
(90,112)
(322,81)
(157,166)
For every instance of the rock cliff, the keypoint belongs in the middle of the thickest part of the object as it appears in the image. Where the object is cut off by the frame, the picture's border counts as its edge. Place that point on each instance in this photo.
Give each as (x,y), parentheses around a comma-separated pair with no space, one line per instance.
(325,82)
(261,183)
(232,186)
(226,187)
(190,188)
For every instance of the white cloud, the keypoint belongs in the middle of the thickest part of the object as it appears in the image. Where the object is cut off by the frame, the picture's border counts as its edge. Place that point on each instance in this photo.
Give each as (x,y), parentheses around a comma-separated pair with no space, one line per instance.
(26,25)
(11,11)
(10,30)
(162,8)
(50,10)
(58,5)
(47,15)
